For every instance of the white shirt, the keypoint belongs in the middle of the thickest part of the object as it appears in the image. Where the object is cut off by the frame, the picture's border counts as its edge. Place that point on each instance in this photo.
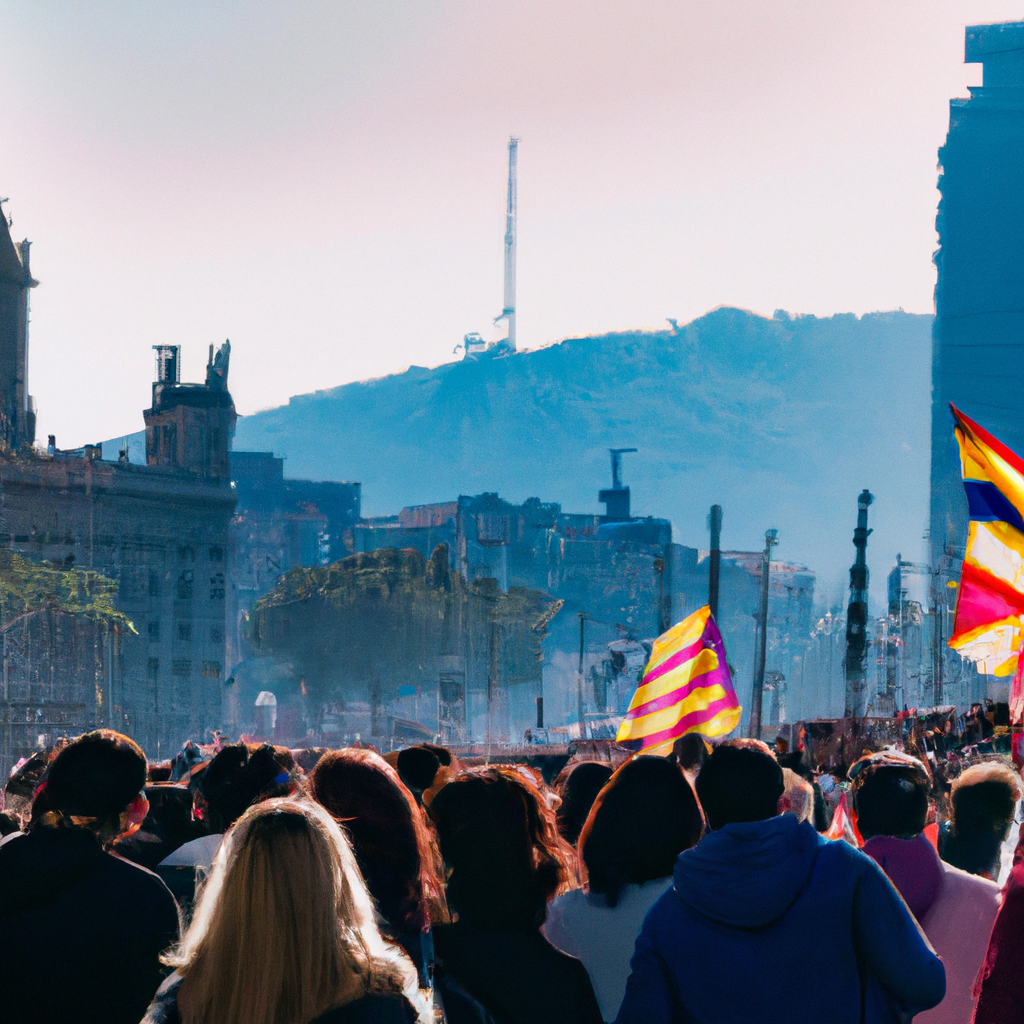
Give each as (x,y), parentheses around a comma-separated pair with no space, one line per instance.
(603,937)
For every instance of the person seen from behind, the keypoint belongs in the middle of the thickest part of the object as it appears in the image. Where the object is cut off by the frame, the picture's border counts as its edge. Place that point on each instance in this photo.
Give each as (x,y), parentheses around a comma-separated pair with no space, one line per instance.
(956,909)
(756,903)
(238,776)
(82,930)
(506,861)
(392,844)
(984,800)
(284,933)
(642,820)
(799,794)
(577,787)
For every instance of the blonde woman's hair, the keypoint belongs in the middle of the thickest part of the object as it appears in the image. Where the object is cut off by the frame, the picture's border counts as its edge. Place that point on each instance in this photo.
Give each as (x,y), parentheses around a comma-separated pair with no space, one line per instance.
(284,929)
(801,795)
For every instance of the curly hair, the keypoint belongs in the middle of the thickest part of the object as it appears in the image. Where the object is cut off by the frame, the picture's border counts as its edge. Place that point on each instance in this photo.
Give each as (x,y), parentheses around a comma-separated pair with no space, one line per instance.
(501,845)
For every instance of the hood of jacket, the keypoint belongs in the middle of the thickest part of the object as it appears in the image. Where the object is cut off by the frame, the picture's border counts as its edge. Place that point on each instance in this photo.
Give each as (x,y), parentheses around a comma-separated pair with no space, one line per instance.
(748,874)
(913,867)
(36,868)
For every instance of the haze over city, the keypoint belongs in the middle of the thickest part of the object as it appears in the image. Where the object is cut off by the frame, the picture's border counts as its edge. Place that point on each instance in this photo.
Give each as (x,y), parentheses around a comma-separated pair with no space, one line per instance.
(323,183)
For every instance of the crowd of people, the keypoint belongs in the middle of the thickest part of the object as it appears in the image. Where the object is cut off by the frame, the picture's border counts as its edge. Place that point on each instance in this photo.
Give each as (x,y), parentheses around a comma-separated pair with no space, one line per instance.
(251,883)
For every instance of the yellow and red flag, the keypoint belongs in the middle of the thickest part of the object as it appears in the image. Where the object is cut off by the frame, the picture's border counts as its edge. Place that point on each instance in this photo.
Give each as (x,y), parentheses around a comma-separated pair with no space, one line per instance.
(990,603)
(686,687)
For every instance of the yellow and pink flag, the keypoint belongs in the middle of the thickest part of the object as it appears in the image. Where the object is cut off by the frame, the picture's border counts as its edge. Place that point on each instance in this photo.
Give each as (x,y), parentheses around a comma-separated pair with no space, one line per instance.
(686,687)
(990,603)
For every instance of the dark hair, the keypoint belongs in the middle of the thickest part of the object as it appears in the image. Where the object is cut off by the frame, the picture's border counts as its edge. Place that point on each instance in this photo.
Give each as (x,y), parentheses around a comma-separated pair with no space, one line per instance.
(501,844)
(890,796)
(95,776)
(390,839)
(239,776)
(642,820)
(443,754)
(740,783)
(984,798)
(691,751)
(578,786)
(417,767)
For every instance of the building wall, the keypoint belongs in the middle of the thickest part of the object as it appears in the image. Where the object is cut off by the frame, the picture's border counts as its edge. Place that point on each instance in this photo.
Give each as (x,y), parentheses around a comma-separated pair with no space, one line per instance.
(978,352)
(163,536)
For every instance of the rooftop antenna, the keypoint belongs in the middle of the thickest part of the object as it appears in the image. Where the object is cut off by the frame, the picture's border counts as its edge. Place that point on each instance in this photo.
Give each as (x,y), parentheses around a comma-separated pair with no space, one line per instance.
(508,314)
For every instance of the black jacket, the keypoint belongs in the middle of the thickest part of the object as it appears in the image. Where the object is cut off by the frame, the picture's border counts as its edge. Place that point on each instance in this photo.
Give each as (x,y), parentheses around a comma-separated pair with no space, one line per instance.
(374,1008)
(81,931)
(517,975)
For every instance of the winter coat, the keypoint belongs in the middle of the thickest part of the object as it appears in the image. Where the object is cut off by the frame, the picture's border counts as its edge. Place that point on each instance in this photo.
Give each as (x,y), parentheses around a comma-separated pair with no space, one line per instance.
(768,922)
(81,931)
(516,974)
(602,937)
(955,909)
(373,1008)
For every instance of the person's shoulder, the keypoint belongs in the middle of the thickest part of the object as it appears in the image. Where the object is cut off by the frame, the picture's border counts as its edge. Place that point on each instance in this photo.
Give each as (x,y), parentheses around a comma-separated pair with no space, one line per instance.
(961,883)
(373,1008)
(139,881)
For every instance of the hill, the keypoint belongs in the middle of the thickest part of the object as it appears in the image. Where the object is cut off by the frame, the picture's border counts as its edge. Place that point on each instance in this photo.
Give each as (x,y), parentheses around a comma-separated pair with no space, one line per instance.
(782,421)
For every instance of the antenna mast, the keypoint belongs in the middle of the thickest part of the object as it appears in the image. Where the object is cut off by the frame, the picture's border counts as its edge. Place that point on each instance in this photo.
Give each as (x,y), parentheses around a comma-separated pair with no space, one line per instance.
(508,314)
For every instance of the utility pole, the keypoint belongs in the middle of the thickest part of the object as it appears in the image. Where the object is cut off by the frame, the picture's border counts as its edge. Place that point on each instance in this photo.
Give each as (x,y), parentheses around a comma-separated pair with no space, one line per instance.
(715,562)
(857,614)
(579,680)
(757,697)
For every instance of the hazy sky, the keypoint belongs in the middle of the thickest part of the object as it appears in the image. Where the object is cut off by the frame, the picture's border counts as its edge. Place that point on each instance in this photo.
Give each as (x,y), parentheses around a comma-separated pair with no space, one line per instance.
(324,182)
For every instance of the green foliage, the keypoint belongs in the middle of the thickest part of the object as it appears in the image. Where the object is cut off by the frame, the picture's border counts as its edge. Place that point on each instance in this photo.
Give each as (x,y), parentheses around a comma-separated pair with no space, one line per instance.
(27,587)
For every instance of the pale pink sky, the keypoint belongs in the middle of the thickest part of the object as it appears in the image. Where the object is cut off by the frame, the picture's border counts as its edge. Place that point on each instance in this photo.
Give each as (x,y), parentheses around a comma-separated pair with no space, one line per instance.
(324,182)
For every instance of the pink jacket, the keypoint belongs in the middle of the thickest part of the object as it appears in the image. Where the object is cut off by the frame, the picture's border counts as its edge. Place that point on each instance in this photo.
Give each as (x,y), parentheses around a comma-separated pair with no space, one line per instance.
(955,909)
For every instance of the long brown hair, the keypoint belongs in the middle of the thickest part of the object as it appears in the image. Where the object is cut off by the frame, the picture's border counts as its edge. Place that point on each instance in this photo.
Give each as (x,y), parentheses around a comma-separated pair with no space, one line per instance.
(500,841)
(284,929)
(391,840)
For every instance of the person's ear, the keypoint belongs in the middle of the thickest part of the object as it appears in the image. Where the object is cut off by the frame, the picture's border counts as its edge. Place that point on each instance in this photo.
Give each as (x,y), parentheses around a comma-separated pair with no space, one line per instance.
(784,805)
(134,816)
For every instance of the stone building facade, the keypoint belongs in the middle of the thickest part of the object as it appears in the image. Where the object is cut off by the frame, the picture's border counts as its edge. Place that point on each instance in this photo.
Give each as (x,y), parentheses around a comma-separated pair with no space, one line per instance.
(159,530)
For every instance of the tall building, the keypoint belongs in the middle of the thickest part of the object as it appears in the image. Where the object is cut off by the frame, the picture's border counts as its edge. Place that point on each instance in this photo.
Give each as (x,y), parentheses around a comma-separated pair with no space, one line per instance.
(17,414)
(978,348)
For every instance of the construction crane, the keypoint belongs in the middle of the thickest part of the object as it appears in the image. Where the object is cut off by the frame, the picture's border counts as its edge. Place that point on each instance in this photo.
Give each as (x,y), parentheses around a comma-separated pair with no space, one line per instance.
(508,314)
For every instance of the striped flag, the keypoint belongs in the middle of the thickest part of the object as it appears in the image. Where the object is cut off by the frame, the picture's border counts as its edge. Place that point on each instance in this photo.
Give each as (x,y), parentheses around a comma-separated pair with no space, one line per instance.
(685,688)
(990,603)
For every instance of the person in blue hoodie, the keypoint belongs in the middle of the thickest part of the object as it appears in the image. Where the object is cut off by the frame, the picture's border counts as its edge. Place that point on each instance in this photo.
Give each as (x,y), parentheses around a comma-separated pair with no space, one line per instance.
(768,922)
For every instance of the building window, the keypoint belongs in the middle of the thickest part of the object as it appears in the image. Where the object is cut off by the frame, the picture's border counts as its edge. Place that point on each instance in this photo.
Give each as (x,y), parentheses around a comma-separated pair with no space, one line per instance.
(185,585)
(153,669)
(216,634)
(185,632)
(186,553)
(217,587)
(211,670)
(154,630)
(154,583)
(216,553)
(181,667)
